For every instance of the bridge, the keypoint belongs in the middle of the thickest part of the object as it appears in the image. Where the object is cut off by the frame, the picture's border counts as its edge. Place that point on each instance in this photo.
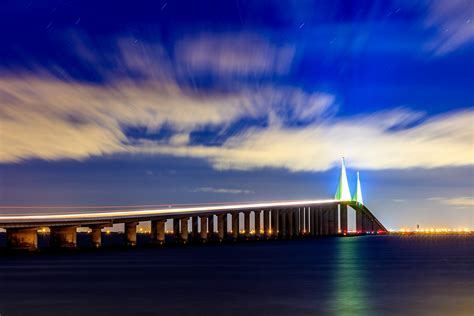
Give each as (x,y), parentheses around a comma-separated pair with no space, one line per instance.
(218,222)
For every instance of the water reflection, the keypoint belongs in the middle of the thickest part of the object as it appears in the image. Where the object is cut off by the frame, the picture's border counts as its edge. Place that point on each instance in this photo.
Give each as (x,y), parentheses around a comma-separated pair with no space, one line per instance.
(351,279)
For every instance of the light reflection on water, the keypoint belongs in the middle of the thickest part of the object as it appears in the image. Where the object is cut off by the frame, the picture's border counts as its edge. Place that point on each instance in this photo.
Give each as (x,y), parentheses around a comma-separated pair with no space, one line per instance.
(350,291)
(373,275)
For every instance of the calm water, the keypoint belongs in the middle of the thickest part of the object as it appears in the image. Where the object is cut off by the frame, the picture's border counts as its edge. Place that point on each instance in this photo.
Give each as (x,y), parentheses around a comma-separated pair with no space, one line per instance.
(373,275)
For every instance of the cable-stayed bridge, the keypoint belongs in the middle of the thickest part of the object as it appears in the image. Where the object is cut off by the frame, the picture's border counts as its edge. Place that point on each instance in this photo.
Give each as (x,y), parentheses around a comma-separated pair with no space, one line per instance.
(205,222)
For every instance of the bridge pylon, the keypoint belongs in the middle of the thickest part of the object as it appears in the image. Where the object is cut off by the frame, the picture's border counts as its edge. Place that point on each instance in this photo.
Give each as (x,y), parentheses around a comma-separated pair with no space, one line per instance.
(358,193)
(343,192)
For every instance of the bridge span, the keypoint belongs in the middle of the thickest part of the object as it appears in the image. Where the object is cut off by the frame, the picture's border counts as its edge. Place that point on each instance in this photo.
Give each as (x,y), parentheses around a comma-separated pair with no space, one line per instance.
(271,220)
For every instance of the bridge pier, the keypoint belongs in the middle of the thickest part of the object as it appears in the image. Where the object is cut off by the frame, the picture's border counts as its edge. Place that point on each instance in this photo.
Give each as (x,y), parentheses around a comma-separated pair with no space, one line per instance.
(257,225)
(306,220)
(226,225)
(63,236)
(203,233)
(274,219)
(296,223)
(130,234)
(359,217)
(282,223)
(343,218)
(235,226)
(266,224)
(96,236)
(22,238)
(158,231)
(312,221)
(332,220)
(212,226)
(220,226)
(176,229)
(320,221)
(183,236)
(301,221)
(194,227)
(289,224)
(247,225)
(325,219)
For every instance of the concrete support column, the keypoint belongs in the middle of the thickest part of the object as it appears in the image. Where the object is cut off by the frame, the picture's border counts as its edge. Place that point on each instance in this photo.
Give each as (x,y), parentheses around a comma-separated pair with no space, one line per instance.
(331,223)
(296,222)
(158,231)
(312,220)
(195,227)
(220,226)
(226,226)
(336,219)
(301,220)
(282,224)
(275,217)
(130,233)
(306,220)
(289,224)
(320,217)
(235,226)
(63,236)
(22,238)
(359,221)
(183,236)
(247,224)
(266,223)
(257,223)
(96,236)
(212,226)
(343,218)
(203,234)
(176,229)
(326,221)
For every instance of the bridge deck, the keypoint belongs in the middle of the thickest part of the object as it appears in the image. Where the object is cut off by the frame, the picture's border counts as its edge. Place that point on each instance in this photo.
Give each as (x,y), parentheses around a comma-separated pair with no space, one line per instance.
(170,211)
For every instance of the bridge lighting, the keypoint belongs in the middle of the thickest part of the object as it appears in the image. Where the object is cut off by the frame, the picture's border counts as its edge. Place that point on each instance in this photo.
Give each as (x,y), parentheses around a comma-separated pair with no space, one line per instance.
(343,193)
(358,194)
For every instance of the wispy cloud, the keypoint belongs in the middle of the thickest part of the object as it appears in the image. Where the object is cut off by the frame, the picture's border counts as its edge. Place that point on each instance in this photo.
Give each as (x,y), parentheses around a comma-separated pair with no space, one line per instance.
(453,21)
(232,55)
(463,201)
(42,117)
(48,116)
(223,190)
(50,119)
(398,200)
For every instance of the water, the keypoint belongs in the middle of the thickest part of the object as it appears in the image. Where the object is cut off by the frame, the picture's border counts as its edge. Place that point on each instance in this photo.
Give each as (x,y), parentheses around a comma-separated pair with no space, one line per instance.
(373,275)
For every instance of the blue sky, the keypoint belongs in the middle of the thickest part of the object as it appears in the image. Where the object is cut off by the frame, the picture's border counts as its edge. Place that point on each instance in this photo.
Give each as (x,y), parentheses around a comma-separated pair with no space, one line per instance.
(182,101)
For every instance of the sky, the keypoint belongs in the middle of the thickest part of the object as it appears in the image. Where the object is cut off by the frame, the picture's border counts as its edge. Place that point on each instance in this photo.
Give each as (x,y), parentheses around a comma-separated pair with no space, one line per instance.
(152,102)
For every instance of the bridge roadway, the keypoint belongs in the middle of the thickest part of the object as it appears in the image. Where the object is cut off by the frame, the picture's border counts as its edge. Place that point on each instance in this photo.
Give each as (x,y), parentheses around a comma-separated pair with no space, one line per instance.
(285,219)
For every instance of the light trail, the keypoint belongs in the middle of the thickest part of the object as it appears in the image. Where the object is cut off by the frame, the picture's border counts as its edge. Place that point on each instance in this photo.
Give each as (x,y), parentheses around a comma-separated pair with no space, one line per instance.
(111,206)
(164,211)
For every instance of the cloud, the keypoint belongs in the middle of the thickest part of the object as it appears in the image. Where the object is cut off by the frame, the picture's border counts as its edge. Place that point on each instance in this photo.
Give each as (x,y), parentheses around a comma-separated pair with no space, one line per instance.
(444,140)
(399,200)
(47,118)
(453,21)
(223,190)
(53,117)
(232,55)
(463,201)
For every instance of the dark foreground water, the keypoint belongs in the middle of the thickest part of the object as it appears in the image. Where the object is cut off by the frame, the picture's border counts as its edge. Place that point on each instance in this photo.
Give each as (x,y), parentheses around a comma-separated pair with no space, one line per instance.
(373,275)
